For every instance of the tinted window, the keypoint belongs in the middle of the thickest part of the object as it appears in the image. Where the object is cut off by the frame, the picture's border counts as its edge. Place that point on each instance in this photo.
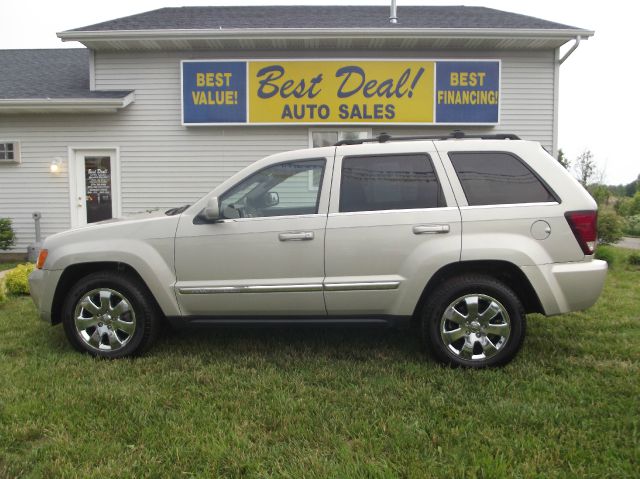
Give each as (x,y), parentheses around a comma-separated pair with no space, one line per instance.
(393,182)
(497,178)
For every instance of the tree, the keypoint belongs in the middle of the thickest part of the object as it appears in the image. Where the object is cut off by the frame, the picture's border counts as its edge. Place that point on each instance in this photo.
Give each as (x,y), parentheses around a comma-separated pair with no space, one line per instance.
(600,193)
(585,167)
(7,236)
(563,160)
(632,187)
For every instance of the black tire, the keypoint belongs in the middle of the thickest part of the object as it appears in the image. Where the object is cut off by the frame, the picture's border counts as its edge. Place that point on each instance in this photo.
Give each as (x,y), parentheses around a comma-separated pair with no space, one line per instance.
(478,347)
(125,292)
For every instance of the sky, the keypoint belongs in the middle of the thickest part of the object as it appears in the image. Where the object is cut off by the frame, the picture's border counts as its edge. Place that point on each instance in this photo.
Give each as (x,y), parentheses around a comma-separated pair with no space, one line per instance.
(599,102)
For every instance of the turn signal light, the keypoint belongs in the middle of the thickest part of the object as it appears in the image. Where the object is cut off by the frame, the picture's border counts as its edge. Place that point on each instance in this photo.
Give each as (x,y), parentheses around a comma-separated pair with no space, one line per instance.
(584,225)
(42,257)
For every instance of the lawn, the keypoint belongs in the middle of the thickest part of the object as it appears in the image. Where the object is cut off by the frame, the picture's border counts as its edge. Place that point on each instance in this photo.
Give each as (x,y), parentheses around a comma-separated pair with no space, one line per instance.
(9,265)
(326,403)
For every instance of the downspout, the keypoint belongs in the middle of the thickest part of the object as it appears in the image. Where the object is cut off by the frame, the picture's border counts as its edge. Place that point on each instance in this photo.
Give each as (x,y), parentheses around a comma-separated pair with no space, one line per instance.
(571,50)
(393,17)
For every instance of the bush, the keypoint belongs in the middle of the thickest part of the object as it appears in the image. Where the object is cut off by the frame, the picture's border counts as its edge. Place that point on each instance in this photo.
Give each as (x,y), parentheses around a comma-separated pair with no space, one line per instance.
(3,293)
(609,227)
(634,259)
(632,225)
(17,279)
(7,235)
(606,253)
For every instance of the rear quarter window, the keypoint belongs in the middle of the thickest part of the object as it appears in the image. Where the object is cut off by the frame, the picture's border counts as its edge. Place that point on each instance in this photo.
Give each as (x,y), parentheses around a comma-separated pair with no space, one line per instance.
(494,178)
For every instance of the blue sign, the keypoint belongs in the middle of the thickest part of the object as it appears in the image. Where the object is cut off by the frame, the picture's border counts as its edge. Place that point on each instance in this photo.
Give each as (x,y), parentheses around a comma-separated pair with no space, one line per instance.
(214,92)
(467,91)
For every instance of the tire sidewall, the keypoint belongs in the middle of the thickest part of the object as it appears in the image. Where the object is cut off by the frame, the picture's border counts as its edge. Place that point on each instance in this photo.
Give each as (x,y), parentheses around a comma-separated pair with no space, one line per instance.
(462,286)
(126,288)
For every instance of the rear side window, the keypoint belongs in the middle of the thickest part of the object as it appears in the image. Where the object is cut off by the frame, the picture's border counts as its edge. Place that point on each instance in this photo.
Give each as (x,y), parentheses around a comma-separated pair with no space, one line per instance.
(494,178)
(389,182)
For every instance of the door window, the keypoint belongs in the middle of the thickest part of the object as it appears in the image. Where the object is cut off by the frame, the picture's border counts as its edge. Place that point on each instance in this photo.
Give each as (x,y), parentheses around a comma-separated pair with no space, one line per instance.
(97,175)
(389,182)
(278,190)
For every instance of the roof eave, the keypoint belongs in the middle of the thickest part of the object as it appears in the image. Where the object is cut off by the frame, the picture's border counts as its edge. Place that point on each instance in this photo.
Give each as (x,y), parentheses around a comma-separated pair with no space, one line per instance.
(62,105)
(273,33)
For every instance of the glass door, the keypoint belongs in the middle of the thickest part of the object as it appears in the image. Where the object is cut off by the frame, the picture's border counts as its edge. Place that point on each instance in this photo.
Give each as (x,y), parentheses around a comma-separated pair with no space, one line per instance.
(98,197)
(95,199)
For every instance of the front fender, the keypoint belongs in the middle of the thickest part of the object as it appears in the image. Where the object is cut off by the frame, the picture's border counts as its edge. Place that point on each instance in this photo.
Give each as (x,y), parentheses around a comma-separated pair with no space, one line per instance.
(151,259)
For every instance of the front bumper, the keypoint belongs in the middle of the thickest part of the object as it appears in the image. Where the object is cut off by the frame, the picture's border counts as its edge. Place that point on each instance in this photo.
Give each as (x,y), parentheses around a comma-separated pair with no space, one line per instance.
(566,287)
(42,285)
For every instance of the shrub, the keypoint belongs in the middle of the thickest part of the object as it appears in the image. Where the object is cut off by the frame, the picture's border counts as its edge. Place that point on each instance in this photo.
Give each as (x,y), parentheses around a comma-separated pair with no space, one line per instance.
(3,293)
(632,225)
(17,279)
(609,227)
(7,235)
(634,259)
(606,253)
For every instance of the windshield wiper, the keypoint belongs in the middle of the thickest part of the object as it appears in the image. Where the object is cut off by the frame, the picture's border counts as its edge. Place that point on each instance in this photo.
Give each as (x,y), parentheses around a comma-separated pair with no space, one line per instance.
(176,211)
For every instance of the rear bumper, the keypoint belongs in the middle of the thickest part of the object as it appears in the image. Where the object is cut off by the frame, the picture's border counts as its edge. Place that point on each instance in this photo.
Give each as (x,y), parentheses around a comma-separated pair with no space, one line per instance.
(565,287)
(42,285)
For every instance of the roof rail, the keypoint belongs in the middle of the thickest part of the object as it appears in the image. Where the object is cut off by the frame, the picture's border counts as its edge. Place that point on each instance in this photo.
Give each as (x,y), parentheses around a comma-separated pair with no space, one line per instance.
(456,135)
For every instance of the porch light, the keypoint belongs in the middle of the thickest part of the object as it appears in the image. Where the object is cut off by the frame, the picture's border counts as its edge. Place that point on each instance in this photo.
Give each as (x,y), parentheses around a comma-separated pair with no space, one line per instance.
(56,165)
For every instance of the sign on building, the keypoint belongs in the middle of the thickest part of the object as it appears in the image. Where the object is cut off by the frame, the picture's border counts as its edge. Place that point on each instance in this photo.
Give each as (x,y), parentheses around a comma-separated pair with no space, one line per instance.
(414,92)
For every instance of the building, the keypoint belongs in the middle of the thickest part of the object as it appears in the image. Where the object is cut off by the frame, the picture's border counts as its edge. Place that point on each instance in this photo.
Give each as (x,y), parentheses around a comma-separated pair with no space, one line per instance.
(162,106)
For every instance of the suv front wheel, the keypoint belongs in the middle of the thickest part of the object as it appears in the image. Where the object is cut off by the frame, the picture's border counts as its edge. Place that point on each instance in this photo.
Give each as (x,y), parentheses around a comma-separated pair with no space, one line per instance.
(474,321)
(109,314)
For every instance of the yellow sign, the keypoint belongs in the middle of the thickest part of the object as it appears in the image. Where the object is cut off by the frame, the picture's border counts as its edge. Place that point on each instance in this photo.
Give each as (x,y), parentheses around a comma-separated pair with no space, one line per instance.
(341,91)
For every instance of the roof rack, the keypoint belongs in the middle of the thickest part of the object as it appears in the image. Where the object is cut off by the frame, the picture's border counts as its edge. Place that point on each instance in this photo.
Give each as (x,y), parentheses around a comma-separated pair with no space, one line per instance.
(456,135)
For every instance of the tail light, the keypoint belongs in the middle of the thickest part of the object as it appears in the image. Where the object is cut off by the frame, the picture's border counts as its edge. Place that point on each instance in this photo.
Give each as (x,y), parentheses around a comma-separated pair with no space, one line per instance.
(584,225)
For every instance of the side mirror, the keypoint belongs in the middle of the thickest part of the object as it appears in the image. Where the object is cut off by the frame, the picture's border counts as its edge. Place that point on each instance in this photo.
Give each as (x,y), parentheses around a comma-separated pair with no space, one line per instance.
(212,211)
(272,199)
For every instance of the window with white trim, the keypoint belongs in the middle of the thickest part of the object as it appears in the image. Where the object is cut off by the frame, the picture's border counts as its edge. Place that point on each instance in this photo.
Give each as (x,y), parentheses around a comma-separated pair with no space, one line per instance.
(9,152)
(330,136)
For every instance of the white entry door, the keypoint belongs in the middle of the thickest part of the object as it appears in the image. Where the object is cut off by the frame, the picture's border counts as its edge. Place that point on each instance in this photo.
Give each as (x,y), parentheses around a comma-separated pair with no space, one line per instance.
(95,183)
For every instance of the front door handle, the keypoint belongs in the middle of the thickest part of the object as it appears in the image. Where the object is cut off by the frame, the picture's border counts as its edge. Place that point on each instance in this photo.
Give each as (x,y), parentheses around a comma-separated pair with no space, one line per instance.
(296,236)
(430,229)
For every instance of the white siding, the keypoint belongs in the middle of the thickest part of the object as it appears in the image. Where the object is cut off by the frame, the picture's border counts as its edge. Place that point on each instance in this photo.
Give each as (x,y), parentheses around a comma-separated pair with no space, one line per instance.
(165,164)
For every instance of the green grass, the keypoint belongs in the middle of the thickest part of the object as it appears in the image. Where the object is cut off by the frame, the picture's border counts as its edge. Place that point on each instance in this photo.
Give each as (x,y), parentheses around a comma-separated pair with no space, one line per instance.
(326,403)
(9,265)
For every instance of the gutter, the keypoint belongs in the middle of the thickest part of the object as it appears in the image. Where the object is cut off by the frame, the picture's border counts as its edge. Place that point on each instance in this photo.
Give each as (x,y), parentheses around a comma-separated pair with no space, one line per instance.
(65,104)
(282,33)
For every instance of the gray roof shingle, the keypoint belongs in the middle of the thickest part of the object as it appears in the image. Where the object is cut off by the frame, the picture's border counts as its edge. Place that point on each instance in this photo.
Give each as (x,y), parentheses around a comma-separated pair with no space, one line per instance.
(54,73)
(322,16)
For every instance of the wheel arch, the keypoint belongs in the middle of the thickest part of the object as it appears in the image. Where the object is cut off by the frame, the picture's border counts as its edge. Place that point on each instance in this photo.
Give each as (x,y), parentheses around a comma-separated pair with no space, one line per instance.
(73,273)
(504,271)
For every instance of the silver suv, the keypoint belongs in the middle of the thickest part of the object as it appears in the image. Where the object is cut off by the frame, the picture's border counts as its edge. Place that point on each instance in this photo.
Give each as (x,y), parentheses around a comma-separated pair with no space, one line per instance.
(459,236)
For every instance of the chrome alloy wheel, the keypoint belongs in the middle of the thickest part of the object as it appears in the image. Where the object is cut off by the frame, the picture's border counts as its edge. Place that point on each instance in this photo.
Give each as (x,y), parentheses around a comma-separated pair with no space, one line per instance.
(104,319)
(475,327)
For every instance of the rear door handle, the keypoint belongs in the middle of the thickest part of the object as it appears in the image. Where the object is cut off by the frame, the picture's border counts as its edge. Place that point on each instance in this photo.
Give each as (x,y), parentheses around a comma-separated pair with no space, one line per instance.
(296,236)
(430,229)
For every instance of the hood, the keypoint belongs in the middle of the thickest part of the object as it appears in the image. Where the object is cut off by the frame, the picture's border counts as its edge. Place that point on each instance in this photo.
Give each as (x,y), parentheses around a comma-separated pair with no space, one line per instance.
(140,226)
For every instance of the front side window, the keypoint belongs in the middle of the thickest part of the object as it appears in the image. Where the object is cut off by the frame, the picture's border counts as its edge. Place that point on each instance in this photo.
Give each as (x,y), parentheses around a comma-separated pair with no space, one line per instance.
(493,178)
(389,182)
(278,190)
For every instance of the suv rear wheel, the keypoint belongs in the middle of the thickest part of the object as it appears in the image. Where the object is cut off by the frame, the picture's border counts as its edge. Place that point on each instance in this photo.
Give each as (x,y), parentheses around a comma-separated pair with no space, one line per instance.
(474,321)
(108,314)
